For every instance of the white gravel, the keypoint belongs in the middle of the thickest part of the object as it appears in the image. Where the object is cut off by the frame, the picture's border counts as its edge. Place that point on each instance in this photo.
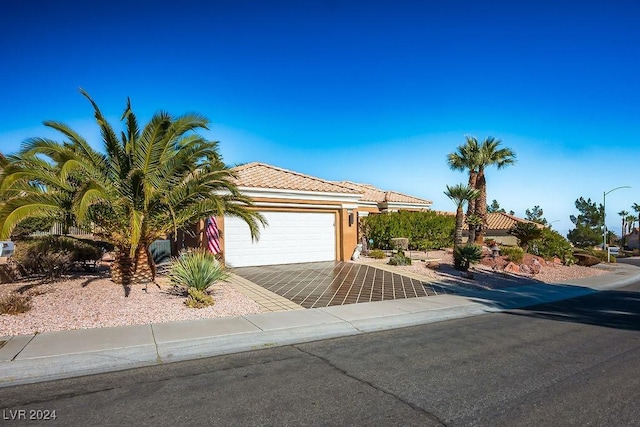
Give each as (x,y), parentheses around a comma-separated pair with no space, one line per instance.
(484,277)
(96,302)
(93,301)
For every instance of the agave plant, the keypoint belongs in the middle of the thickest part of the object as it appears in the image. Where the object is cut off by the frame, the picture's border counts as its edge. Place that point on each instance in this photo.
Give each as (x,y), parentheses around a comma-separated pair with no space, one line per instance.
(198,270)
(464,256)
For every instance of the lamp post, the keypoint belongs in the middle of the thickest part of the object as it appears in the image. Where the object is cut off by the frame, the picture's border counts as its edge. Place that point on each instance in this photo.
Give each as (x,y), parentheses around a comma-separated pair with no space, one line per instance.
(604,216)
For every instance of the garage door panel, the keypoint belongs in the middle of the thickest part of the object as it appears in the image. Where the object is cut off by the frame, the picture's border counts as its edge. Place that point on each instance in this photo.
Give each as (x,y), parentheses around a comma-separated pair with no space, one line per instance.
(289,237)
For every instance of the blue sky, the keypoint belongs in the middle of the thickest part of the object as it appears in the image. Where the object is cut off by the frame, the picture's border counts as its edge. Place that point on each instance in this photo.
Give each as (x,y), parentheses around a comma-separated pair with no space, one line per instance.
(368,91)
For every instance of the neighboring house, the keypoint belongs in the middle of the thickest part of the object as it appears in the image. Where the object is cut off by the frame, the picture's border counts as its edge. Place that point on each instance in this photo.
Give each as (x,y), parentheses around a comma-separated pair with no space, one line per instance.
(498,223)
(631,239)
(374,200)
(309,219)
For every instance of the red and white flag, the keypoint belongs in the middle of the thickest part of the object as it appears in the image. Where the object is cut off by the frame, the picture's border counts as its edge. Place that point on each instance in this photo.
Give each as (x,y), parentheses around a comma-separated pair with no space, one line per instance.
(213,235)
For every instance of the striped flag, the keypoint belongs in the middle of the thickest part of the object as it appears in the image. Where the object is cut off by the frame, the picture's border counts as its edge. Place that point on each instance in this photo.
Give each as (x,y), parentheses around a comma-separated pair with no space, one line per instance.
(213,235)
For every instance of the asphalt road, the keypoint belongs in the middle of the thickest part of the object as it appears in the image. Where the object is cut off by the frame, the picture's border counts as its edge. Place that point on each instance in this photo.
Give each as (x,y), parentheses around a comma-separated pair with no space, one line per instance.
(574,362)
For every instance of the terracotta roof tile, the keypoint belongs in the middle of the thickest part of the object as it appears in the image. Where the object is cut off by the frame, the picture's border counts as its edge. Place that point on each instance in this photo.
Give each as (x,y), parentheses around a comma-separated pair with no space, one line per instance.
(504,221)
(373,194)
(260,175)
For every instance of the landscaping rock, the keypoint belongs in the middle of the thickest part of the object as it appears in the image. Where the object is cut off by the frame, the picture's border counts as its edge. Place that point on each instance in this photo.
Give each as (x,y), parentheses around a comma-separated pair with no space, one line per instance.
(585,259)
(512,268)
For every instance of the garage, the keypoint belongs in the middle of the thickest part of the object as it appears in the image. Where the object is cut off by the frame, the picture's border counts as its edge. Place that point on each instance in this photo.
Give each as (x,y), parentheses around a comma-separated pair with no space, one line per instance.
(290,237)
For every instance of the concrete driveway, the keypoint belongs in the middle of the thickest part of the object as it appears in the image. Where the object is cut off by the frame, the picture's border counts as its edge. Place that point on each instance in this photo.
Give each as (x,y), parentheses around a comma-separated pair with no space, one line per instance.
(322,284)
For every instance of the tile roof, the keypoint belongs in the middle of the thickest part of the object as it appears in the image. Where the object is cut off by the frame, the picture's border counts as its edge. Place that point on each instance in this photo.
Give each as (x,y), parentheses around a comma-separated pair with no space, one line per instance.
(504,221)
(260,175)
(373,194)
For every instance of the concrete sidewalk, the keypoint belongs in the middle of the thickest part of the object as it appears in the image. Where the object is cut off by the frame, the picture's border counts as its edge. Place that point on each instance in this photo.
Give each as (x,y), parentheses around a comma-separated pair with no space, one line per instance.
(54,355)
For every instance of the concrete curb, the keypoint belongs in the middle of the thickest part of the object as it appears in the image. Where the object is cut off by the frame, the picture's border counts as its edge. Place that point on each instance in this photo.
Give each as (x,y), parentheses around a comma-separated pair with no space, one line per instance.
(54,355)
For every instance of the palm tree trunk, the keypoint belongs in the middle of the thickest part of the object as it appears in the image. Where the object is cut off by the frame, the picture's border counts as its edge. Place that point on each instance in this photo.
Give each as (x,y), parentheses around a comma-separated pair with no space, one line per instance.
(127,271)
(471,206)
(481,207)
(122,269)
(144,271)
(457,241)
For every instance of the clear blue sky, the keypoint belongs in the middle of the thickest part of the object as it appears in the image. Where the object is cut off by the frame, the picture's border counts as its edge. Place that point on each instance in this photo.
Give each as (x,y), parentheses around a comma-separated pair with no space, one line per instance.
(368,91)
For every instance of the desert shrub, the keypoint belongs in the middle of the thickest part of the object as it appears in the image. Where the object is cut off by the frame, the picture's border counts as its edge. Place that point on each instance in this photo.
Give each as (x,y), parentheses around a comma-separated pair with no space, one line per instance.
(197,269)
(465,256)
(15,303)
(586,258)
(377,254)
(399,243)
(553,244)
(399,260)
(515,254)
(525,232)
(425,230)
(52,256)
(198,298)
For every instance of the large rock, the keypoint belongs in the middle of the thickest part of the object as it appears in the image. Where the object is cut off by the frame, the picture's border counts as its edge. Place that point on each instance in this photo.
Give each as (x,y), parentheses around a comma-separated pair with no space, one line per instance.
(585,259)
(512,268)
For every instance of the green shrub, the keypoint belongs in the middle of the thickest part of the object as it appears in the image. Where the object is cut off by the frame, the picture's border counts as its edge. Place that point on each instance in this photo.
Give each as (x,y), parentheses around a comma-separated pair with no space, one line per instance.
(198,298)
(425,230)
(551,245)
(15,303)
(515,254)
(465,256)
(399,260)
(377,254)
(52,256)
(525,232)
(197,269)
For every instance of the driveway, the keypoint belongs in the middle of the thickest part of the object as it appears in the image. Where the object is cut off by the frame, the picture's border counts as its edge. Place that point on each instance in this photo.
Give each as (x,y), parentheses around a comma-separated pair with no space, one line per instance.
(322,284)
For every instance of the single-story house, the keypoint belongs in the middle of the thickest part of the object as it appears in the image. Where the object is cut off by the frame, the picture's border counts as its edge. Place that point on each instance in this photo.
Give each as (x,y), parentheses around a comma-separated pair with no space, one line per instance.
(309,219)
(631,240)
(498,223)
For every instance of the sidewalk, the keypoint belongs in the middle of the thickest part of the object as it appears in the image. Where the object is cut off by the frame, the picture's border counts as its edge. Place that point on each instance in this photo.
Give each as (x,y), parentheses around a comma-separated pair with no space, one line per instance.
(54,355)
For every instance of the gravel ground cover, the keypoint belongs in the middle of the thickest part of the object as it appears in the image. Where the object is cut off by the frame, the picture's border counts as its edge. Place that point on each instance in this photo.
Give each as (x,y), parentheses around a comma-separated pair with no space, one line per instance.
(93,301)
(484,276)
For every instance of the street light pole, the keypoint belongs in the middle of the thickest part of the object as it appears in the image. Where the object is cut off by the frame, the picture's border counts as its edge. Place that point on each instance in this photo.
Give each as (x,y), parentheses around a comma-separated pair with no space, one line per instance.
(604,218)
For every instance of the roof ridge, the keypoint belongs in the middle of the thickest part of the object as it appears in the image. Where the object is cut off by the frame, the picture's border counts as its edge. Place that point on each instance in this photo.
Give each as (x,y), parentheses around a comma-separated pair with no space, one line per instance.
(278,168)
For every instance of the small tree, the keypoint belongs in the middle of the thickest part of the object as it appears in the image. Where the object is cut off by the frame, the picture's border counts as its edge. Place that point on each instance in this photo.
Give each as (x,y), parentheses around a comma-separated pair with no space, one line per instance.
(460,194)
(536,215)
(525,232)
(588,231)
(495,207)
(464,256)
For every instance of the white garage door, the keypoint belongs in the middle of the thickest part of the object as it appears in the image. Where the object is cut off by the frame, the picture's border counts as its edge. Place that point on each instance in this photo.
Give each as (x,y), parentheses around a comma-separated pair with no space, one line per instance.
(290,237)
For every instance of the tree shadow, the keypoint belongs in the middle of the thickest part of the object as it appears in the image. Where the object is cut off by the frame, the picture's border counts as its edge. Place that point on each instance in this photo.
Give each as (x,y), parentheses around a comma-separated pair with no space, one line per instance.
(528,297)
(611,309)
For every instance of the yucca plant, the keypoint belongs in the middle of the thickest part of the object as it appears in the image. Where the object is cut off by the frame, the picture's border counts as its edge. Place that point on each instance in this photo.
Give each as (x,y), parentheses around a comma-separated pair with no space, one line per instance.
(464,256)
(198,270)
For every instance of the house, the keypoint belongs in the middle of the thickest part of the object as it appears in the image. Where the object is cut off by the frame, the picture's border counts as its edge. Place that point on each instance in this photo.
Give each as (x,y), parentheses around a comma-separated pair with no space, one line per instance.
(498,223)
(631,239)
(309,219)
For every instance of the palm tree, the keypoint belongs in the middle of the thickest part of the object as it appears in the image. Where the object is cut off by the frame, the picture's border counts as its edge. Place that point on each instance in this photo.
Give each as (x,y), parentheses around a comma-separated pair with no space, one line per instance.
(631,222)
(460,194)
(466,158)
(140,187)
(636,208)
(624,215)
(490,154)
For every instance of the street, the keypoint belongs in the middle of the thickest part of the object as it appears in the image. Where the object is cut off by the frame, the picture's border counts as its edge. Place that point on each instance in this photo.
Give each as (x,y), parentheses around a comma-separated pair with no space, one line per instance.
(574,362)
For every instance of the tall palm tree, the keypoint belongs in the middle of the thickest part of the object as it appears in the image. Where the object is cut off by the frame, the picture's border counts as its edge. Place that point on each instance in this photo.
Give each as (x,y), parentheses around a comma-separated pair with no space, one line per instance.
(631,222)
(624,215)
(141,186)
(460,194)
(636,208)
(466,157)
(490,154)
